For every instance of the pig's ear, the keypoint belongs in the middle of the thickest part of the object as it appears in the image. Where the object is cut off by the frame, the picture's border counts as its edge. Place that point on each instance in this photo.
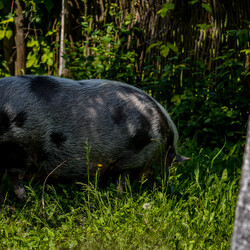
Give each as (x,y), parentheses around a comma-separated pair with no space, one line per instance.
(181,158)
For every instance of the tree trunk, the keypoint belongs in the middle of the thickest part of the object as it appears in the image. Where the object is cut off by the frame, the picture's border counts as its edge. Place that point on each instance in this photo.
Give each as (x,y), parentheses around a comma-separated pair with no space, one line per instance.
(241,234)
(20,66)
(62,47)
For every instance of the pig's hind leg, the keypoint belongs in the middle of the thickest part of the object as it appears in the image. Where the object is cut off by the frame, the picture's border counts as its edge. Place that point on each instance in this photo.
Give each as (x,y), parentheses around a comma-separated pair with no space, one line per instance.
(15,165)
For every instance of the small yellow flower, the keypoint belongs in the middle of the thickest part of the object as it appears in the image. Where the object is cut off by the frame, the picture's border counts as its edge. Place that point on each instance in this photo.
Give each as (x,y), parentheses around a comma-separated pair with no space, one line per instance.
(99,165)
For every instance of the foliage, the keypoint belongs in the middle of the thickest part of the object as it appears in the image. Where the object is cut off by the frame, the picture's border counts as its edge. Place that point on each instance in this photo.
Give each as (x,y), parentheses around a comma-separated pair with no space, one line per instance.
(40,57)
(212,105)
(3,67)
(165,8)
(164,48)
(108,58)
(217,103)
(194,211)
(5,31)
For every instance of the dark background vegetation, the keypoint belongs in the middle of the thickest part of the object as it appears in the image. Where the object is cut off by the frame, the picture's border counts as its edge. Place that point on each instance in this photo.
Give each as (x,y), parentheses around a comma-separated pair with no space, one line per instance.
(192,56)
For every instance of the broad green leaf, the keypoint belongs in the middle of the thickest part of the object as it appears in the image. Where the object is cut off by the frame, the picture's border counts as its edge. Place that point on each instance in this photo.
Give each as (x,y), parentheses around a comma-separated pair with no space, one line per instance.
(31,43)
(9,34)
(176,99)
(50,61)
(109,28)
(172,47)
(44,58)
(164,50)
(2,34)
(51,32)
(36,50)
(31,62)
(153,45)
(127,22)
(165,8)
(207,7)
(42,43)
(10,20)
(246,51)
(29,55)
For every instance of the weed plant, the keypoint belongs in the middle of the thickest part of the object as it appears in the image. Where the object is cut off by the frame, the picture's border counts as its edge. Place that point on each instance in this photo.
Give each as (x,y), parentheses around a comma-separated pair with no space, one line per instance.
(194,210)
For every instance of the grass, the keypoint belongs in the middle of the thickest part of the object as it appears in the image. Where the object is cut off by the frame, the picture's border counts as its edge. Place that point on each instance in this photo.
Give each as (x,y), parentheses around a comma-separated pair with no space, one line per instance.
(195,210)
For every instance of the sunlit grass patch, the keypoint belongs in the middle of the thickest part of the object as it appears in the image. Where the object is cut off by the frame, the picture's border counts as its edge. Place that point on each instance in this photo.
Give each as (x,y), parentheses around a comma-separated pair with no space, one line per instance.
(195,210)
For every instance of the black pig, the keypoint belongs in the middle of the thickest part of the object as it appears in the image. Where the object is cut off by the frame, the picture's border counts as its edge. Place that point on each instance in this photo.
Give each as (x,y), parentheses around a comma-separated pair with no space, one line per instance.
(46,120)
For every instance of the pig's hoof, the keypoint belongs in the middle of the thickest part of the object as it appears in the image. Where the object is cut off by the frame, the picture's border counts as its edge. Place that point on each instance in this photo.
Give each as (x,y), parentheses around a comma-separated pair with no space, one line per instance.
(20,192)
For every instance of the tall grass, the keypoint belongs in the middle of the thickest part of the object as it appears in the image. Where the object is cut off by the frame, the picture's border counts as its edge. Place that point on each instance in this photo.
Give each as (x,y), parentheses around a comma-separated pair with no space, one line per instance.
(195,210)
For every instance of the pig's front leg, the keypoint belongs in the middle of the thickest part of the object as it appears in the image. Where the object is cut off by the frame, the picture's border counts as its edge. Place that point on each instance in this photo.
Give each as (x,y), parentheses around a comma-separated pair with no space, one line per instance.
(16,178)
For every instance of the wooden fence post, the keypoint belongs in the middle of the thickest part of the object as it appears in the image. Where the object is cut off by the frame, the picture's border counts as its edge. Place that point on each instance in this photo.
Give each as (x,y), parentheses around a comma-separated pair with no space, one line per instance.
(241,233)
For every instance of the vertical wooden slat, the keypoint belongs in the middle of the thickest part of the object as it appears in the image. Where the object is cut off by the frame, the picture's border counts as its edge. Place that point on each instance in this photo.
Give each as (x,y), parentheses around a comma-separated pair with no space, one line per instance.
(20,64)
